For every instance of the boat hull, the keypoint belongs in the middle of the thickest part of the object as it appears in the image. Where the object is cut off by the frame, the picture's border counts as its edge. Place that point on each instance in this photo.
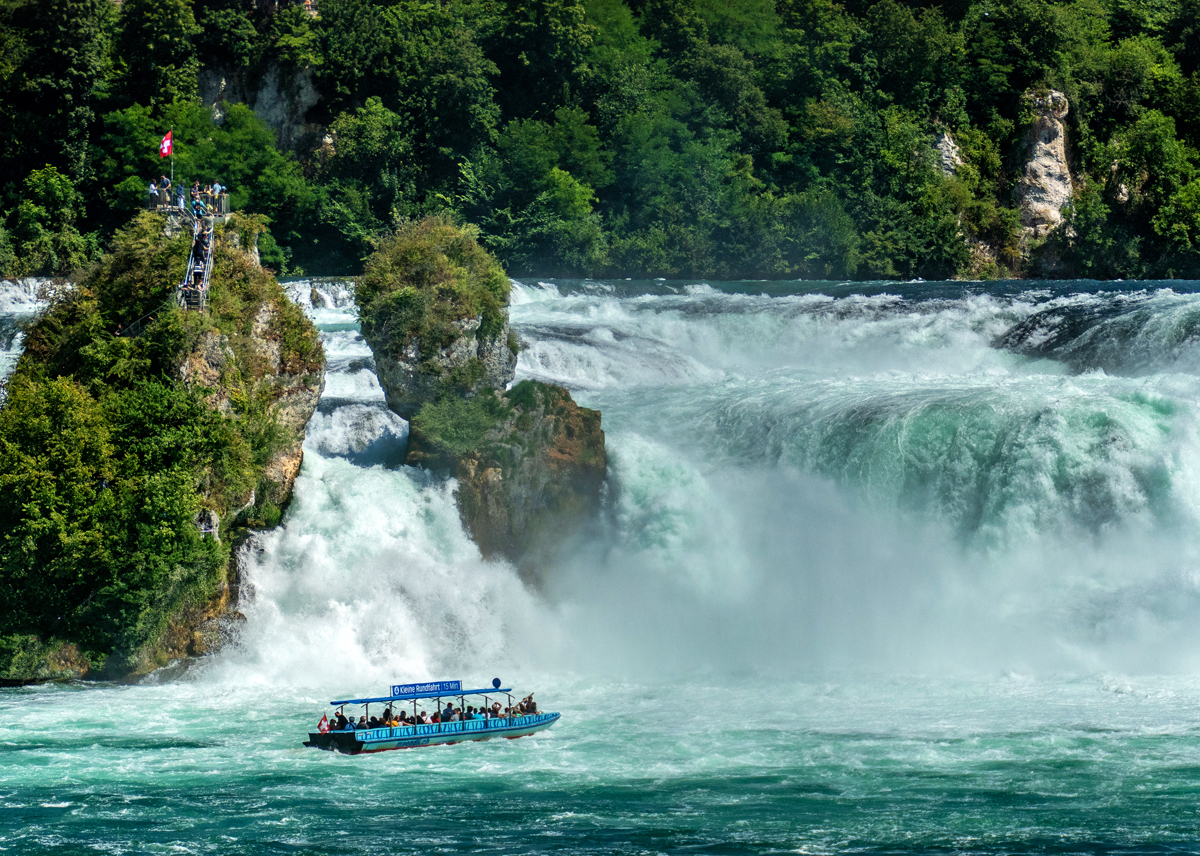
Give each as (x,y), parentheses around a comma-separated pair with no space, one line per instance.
(413,737)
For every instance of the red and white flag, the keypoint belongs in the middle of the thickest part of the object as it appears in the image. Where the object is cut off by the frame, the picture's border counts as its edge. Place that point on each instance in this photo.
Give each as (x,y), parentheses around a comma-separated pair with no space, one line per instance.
(323,725)
(164,148)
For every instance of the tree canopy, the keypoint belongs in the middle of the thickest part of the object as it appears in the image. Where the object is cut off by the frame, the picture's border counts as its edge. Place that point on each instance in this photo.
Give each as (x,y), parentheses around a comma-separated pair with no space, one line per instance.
(741,138)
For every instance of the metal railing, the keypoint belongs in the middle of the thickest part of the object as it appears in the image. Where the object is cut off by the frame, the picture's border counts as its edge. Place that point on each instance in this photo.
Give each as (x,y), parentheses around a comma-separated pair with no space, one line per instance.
(186,296)
(467,726)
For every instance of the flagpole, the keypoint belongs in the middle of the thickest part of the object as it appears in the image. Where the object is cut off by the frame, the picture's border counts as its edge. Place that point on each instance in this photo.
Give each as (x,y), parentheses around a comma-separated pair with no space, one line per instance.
(172,133)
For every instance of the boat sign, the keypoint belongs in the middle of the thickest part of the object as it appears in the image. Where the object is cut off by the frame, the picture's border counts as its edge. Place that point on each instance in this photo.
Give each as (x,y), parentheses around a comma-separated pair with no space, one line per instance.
(432,687)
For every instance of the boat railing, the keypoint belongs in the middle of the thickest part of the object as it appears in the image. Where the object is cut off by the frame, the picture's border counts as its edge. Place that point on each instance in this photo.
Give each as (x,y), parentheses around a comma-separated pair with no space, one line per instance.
(451,727)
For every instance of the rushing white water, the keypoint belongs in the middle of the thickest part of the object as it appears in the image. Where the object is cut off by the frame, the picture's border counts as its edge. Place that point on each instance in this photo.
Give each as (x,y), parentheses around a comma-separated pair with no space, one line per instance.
(19,301)
(799,483)
(882,569)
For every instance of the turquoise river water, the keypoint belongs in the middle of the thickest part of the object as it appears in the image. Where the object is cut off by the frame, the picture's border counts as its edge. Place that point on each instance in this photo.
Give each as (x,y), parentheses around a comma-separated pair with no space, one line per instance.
(902,568)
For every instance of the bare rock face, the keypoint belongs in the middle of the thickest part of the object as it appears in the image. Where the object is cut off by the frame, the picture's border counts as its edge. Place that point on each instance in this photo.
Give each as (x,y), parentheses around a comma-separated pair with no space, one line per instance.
(949,157)
(532,482)
(471,362)
(1046,187)
(280,99)
(294,395)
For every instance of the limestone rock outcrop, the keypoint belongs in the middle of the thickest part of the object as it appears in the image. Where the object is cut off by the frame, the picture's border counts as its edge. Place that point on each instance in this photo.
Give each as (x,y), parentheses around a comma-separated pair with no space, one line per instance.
(470,361)
(1045,187)
(532,482)
(252,357)
(949,157)
(279,97)
(293,395)
(530,462)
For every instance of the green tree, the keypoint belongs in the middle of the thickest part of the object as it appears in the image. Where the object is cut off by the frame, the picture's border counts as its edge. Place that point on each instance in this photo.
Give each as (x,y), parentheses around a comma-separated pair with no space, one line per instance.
(54,71)
(157,45)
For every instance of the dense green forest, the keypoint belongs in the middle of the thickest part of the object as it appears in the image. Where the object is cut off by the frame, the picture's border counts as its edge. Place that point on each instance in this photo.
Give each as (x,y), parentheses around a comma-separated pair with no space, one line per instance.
(722,138)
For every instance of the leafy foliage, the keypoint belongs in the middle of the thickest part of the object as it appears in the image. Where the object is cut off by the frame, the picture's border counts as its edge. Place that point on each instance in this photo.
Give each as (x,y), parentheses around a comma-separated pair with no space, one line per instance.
(615,137)
(106,457)
(426,276)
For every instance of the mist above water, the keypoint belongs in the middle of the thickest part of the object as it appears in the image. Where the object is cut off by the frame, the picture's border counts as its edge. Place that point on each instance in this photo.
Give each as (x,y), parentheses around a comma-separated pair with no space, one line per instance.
(799,484)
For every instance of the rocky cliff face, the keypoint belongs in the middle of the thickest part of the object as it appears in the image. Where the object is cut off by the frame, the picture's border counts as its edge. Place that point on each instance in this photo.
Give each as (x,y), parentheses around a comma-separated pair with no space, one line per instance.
(290,390)
(1046,186)
(150,594)
(532,481)
(471,361)
(530,462)
(292,395)
(281,99)
(948,156)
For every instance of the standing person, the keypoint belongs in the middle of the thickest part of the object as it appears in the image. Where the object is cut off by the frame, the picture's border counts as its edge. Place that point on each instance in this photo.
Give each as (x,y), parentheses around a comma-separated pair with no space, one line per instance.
(151,196)
(164,191)
(180,192)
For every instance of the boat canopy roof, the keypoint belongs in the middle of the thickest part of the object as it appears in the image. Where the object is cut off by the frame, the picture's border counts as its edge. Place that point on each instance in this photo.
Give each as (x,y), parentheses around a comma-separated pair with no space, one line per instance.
(435,689)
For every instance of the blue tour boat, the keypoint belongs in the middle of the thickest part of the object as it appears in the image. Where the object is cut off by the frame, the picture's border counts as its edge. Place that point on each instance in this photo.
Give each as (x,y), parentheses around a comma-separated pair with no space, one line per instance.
(355,741)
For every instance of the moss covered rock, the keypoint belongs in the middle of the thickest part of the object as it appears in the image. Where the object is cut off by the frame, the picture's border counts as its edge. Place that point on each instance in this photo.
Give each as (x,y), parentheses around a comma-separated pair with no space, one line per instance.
(530,465)
(433,306)
(130,465)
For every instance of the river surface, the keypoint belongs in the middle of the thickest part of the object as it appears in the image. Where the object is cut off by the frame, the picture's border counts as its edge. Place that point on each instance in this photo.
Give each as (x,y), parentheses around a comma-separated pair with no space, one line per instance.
(897,568)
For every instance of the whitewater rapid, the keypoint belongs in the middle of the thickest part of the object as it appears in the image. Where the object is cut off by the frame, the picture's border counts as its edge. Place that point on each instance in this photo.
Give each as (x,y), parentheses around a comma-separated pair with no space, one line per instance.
(882,568)
(799,483)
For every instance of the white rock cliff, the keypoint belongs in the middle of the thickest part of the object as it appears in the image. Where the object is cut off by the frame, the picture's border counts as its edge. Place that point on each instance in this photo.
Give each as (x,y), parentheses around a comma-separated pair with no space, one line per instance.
(1046,187)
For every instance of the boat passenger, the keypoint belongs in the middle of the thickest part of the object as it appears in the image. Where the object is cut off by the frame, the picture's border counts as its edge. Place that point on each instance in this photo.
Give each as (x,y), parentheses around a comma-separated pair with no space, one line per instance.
(340,721)
(362,723)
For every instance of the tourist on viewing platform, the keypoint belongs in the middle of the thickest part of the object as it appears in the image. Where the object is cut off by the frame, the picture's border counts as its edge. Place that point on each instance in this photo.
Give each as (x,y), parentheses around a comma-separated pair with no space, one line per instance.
(180,194)
(164,191)
(152,196)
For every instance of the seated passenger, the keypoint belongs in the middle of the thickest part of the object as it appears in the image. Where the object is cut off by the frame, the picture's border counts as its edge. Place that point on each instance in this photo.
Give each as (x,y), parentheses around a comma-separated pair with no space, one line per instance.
(340,721)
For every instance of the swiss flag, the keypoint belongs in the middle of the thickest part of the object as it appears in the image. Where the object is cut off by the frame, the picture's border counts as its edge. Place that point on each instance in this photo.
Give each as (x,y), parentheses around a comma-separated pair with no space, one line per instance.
(164,148)
(323,725)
